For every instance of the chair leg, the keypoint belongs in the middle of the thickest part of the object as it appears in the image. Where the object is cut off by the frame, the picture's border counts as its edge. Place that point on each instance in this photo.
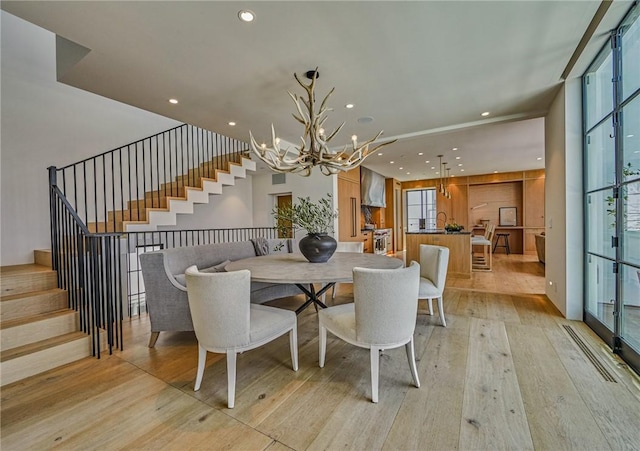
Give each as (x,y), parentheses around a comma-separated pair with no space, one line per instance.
(441,311)
(323,345)
(430,303)
(231,378)
(153,338)
(375,372)
(333,292)
(202,360)
(293,344)
(411,356)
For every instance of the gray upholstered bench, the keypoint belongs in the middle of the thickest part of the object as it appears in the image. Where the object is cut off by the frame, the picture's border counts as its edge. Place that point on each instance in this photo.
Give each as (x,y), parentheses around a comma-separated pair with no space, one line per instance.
(166,293)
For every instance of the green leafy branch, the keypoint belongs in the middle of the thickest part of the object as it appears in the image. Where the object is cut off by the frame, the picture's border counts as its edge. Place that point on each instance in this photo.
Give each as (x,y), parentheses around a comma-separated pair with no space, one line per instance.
(314,217)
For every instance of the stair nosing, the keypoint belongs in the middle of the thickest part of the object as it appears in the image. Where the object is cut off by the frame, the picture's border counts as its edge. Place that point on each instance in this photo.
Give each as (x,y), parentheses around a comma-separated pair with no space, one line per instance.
(17,322)
(29,294)
(31,348)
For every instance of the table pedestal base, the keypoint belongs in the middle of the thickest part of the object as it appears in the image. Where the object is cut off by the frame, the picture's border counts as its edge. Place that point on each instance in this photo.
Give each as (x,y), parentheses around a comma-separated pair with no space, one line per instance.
(312,296)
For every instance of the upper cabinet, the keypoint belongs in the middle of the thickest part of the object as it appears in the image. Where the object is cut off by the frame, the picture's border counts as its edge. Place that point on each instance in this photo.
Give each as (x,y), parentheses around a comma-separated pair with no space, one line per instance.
(349,206)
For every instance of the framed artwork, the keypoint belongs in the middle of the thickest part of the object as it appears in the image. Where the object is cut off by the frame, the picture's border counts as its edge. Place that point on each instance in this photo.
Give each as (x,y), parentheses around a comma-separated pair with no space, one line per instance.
(508,216)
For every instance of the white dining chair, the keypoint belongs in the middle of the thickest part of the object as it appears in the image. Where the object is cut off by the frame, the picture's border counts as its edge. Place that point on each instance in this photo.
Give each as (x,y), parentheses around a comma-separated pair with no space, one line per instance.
(347,246)
(485,262)
(226,322)
(382,316)
(434,262)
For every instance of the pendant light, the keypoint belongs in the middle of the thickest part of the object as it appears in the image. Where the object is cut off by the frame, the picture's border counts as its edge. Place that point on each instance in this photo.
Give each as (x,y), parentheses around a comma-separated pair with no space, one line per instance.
(440,178)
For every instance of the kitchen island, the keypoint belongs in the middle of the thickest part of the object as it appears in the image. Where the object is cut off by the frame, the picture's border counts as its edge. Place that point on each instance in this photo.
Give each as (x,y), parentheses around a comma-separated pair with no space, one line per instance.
(459,244)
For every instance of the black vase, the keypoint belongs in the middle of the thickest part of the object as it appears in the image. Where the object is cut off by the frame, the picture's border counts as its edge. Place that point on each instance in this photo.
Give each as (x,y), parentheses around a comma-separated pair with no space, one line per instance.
(317,247)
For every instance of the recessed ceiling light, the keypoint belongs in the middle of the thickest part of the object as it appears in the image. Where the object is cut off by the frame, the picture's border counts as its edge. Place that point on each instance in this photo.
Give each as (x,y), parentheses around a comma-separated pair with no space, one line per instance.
(408,173)
(630,136)
(461,170)
(263,145)
(391,162)
(433,167)
(380,154)
(486,113)
(457,158)
(349,105)
(174,101)
(401,168)
(539,158)
(495,172)
(427,161)
(437,172)
(636,151)
(455,148)
(453,175)
(459,164)
(246,15)
(420,153)
(232,123)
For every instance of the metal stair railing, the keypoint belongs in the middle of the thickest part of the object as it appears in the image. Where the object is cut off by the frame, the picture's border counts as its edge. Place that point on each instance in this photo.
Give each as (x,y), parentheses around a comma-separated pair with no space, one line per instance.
(131,178)
(100,270)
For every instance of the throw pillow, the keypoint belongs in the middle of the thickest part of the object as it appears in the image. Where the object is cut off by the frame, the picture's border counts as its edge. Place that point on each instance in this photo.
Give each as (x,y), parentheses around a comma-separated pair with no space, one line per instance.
(182,280)
(216,268)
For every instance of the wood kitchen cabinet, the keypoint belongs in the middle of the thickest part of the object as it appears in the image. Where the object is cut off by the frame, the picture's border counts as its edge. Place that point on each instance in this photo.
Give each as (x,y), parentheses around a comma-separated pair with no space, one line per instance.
(368,241)
(478,198)
(349,206)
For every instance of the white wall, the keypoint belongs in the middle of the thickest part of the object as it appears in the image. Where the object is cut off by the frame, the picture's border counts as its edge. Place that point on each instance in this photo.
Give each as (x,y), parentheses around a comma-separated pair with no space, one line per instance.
(315,187)
(231,209)
(563,201)
(47,123)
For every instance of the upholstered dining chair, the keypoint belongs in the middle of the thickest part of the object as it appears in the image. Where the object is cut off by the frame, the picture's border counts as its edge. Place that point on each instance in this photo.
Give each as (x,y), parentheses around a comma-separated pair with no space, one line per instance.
(485,262)
(382,316)
(226,322)
(434,261)
(347,246)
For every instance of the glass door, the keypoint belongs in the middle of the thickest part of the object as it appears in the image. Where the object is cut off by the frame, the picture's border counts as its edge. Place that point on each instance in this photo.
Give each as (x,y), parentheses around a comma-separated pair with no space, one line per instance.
(611,88)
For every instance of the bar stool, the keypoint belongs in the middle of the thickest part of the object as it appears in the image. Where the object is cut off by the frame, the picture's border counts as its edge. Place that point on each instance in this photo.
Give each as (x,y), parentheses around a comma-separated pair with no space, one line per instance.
(505,240)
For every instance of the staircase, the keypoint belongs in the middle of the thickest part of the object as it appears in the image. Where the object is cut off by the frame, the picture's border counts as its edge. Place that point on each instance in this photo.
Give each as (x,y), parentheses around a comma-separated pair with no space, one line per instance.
(161,207)
(38,331)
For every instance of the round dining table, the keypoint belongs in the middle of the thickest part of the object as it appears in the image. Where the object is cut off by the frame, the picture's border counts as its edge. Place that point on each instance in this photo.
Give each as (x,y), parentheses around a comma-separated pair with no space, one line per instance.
(296,269)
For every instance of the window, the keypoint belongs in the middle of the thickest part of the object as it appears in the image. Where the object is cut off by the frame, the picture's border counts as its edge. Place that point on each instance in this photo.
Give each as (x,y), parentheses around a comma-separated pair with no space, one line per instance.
(421,209)
(611,88)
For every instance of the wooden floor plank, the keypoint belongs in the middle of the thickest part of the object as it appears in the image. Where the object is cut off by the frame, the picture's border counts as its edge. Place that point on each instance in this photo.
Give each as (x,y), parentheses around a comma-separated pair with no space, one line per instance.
(616,410)
(143,398)
(430,417)
(356,422)
(502,308)
(555,410)
(493,415)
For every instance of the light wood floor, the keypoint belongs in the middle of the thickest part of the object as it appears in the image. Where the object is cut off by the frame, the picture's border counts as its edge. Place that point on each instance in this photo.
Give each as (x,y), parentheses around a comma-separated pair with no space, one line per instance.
(504,374)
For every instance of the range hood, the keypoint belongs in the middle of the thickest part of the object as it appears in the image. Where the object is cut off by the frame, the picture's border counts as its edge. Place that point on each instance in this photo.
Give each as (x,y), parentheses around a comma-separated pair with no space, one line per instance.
(371,188)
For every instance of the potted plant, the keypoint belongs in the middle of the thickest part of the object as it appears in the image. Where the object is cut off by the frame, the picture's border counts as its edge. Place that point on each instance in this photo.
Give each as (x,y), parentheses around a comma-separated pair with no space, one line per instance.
(317,219)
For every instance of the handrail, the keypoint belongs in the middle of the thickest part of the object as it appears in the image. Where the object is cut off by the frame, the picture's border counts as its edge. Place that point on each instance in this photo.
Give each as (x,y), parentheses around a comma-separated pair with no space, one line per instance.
(89,268)
(115,149)
(119,185)
(99,268)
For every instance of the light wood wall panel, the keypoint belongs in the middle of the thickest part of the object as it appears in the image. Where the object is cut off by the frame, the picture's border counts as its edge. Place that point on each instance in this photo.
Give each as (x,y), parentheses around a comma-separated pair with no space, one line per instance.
(521,189)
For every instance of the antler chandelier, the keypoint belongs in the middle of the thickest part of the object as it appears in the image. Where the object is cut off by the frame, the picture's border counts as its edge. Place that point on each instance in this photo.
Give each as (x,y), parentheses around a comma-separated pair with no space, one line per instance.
(314,149)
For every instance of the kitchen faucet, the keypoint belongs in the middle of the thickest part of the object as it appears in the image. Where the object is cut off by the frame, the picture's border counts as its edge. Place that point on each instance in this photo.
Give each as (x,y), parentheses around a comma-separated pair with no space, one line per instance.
(444,222)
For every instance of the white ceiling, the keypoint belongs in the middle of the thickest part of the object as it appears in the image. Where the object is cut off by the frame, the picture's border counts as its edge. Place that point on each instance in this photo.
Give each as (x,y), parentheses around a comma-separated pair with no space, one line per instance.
(424,71)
